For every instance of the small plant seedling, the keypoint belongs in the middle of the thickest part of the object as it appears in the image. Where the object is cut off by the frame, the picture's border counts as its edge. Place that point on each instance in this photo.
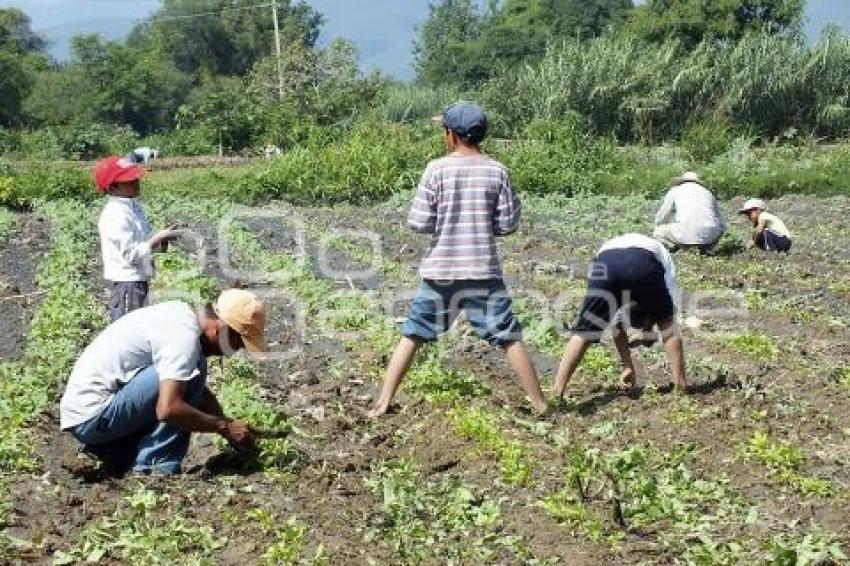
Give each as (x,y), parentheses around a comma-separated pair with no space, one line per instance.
(755,345)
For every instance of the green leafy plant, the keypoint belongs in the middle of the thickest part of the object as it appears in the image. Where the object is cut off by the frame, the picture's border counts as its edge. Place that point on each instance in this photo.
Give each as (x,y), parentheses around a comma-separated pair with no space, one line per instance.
(812,549)
(444,522)
(757,346)
(785,460)
(143,531)
(477,425)
(290,538)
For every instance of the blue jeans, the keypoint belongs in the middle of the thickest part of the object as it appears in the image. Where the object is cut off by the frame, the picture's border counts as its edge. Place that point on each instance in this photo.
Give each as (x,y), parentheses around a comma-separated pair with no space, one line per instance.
(486,303)
(127,433)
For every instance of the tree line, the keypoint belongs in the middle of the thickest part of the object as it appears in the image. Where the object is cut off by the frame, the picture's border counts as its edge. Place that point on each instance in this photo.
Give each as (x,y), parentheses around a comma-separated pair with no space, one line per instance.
(199,75)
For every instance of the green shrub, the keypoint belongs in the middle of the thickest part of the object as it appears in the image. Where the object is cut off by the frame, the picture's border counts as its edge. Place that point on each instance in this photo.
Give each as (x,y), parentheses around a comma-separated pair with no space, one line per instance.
(557,157)
(374,161)
(89,141)
(10,141)
(45,182)
(186,141)
(706,139)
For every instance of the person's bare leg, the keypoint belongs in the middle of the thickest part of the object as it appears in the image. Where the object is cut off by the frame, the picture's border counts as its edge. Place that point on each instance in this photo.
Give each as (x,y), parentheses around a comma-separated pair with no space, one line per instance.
(573,353)
(672,336)
(629,376)
(526,375)
(400,363)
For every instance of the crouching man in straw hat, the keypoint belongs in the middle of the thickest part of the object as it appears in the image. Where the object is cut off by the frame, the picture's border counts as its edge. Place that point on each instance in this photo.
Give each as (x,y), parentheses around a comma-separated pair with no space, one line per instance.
(689,216)
(139,389)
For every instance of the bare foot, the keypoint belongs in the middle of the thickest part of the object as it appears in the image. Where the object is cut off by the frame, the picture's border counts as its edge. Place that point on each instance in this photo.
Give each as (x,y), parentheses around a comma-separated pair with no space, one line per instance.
(540,406)
(378,411)
(683,388)
(628,379)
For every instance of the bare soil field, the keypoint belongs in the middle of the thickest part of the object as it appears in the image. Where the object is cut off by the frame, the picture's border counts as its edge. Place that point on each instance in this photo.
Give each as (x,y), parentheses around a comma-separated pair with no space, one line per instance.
(751,467)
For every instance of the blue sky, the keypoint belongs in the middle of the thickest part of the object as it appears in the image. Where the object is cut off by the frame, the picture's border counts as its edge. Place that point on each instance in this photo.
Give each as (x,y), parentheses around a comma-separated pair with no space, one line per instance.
(383,29)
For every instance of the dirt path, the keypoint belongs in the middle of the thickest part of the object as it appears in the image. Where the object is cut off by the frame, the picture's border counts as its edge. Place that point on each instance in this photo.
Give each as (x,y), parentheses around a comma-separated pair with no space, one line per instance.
(19,256)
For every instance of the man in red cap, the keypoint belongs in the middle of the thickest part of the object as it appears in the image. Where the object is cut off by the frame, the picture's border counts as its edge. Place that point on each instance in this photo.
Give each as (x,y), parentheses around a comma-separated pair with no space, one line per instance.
(126,239)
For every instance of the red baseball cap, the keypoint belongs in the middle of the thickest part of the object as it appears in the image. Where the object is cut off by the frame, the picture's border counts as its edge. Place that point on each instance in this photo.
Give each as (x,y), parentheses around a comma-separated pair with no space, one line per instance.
(115,169)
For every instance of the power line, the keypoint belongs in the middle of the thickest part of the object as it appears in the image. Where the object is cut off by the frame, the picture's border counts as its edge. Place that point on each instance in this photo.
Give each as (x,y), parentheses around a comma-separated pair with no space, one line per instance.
(205,14)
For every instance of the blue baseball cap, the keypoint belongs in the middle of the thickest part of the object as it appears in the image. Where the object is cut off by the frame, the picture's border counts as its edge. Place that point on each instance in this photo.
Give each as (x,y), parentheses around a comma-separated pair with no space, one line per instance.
(465,119)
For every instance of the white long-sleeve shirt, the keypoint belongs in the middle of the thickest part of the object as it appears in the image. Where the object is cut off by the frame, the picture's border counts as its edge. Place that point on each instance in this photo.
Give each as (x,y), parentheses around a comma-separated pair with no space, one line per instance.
(658,250)
(698,219)
(124,233)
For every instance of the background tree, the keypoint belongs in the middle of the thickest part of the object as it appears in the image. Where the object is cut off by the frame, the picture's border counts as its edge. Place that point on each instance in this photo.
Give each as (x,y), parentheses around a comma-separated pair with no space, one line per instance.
(464,45)
(222,39)
(586,18)
(21,57)
(691,21)
(220,106)
(443,51)
(16,32)
(110,83)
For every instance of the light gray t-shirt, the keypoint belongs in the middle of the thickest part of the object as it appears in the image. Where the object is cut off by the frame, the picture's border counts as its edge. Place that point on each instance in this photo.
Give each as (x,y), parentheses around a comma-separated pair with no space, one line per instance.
(698,219)
(165,336)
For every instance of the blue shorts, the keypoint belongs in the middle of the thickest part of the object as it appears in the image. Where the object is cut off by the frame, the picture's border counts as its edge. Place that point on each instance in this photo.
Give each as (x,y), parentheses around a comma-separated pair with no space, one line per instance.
(485,302)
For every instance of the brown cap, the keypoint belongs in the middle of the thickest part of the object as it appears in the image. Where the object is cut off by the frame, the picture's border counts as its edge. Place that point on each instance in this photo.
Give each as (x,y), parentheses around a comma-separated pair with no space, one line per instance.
(243,312)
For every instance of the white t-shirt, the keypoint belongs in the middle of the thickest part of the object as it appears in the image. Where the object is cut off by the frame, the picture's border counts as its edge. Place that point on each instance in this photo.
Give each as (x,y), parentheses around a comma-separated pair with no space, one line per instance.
(774,224)
(698,220)
(658,250)
(165,336)
(124,233)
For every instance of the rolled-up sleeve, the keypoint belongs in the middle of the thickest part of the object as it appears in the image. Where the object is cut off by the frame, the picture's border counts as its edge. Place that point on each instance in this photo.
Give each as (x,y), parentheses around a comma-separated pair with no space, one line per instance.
(423,212)
(508,210)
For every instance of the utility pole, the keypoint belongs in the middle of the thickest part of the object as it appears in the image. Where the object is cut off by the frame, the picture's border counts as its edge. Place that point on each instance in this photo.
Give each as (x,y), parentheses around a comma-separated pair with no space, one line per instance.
(277,50)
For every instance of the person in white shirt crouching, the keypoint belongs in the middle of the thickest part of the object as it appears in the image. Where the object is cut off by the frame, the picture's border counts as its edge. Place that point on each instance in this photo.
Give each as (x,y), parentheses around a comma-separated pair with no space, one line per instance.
(126,239)
(689,216)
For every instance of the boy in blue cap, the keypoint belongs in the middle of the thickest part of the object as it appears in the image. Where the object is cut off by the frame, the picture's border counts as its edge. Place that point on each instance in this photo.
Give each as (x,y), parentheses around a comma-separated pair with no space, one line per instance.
(464,201)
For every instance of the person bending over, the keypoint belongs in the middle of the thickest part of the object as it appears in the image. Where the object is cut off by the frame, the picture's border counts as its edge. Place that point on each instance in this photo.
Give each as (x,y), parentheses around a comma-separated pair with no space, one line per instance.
(689,216)
(632,282)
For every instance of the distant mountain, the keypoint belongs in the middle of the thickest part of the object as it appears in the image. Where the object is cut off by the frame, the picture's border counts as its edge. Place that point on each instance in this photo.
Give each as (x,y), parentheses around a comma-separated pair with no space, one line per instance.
(382,29)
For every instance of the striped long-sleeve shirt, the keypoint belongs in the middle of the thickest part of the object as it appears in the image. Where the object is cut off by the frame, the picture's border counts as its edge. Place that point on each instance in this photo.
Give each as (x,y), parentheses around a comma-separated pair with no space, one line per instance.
(464,202)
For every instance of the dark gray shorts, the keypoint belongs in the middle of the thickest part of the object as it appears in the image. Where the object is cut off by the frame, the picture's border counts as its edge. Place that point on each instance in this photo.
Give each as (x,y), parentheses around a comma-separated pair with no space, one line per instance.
(127,296)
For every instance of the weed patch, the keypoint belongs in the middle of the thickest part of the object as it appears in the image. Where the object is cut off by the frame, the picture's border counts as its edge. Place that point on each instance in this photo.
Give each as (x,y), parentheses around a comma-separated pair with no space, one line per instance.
(443,522)
(290,539)
(7,222)
(144,531)
(241,395)
(477,425)
(784,460)
(643,489)
(757,346)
